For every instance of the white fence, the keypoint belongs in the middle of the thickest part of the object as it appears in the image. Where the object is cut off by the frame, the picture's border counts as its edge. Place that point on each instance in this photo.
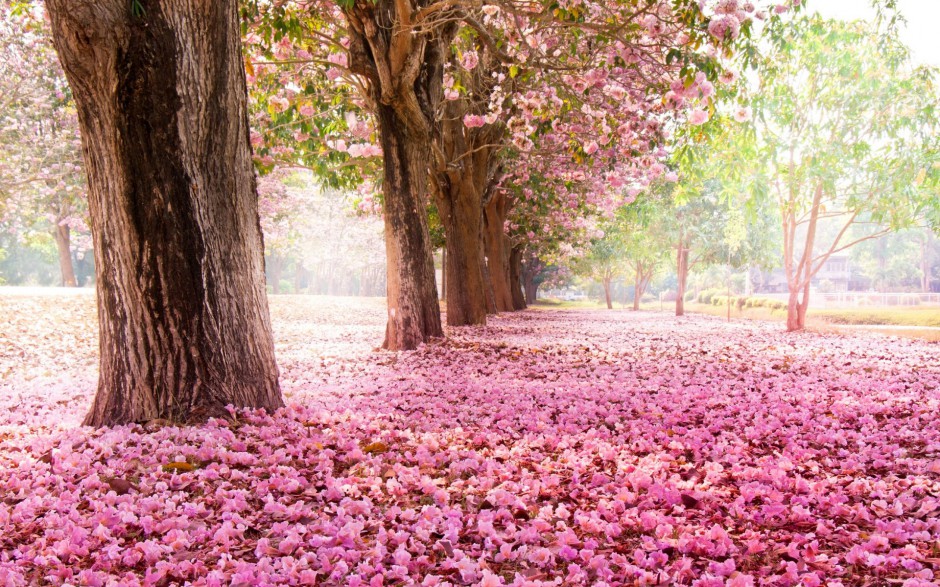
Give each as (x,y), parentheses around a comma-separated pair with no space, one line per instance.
(860,299)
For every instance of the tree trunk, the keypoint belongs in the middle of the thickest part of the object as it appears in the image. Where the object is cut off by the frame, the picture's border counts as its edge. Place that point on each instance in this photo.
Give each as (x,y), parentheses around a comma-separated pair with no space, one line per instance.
(277,265)
(531,291)
(63,243)
(682,270)
(637,287)
(182,311)
(925,250)
(530,271)
(515,278)
(796,310)
(414,314)
(443,271)
(496,243)
(610,304)
(460,203)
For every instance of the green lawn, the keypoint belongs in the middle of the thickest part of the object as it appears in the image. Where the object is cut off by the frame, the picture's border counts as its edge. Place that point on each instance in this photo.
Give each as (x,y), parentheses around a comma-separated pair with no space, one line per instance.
(892,318)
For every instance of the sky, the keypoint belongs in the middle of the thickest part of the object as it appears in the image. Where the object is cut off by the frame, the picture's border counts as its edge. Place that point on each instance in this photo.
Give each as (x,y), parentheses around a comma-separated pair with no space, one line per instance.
(920,32)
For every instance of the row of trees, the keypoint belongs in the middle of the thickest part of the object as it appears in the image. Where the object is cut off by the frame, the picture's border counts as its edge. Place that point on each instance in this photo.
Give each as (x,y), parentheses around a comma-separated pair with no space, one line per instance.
(506,106)
(518,121)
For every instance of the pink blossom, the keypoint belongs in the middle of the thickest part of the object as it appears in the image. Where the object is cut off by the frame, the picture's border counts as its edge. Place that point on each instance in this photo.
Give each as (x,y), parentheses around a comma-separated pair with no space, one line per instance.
(698,117)
(473,121)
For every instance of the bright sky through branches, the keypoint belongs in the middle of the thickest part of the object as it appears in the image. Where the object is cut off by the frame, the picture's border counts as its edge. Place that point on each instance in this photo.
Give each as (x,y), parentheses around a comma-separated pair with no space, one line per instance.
(919,33)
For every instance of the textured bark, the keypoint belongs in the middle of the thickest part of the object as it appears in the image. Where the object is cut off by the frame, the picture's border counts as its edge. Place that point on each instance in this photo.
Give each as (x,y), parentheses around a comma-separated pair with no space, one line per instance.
(463,167)
(414,314)
(459,198)
(63,244)
(515,278)
(496,246)
(404,68)
(183,316)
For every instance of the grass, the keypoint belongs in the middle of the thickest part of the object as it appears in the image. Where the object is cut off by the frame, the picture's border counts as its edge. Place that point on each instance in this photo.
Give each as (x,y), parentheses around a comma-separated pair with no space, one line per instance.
(908,316)
(885,320)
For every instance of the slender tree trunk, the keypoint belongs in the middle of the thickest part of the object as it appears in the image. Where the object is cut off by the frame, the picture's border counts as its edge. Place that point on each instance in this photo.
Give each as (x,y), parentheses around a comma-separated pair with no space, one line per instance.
(925,250)
(496,243)
(610,303)
(638,287)
(515,278)
(414,314)
(488,287)
(63,244)
(799,277)
(182,311)
(682,271)
(443,272)
(277,265)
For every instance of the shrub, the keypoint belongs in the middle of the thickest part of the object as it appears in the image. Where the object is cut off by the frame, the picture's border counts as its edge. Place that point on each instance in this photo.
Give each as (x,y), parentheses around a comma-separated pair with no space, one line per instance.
(689,296)
(705,296)
(741,301)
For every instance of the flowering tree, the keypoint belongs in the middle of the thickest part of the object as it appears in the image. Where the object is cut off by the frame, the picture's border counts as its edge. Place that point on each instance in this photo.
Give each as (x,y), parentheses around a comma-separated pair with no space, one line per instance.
(846,138)
(42,182)
(453,88)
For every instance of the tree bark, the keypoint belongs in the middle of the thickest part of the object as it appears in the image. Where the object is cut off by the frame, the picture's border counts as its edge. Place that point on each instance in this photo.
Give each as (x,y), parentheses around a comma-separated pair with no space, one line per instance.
(496,243)
(414,314)
(459,197)
(183,316)
(63,244)
(404,68)
(610,303)
(531,290)
(515,278)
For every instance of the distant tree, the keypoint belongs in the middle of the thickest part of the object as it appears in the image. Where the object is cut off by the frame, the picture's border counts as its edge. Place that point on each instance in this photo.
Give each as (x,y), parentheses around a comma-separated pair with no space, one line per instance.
(42,182)
(846,134)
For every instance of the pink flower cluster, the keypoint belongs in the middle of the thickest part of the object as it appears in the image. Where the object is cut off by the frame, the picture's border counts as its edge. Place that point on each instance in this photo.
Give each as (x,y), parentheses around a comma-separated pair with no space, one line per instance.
(548,448)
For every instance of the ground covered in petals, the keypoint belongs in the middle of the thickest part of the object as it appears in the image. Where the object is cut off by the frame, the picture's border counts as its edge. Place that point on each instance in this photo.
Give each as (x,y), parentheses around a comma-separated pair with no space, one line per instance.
(549,448)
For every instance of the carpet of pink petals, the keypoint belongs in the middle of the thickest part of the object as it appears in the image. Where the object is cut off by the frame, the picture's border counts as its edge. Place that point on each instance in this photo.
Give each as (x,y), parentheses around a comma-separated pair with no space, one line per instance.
(548,448)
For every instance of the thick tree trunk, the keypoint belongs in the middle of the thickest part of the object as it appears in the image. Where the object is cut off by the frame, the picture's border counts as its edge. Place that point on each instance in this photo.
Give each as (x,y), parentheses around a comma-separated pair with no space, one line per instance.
(531,291)
(63,244)
(460,203)
(183,316)
(682,270)
(610,303)
(414,314)
(515,278)
(496,243)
